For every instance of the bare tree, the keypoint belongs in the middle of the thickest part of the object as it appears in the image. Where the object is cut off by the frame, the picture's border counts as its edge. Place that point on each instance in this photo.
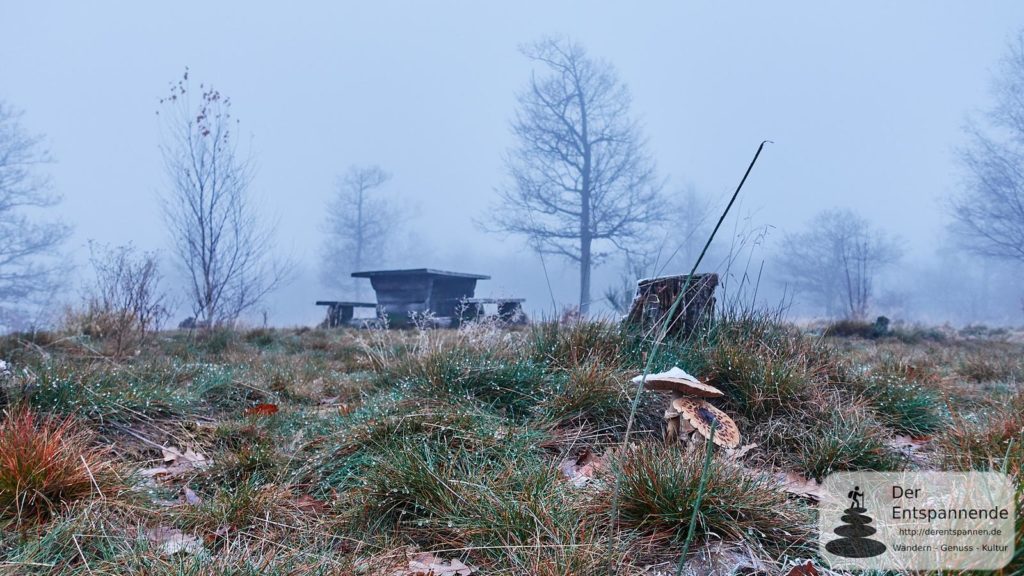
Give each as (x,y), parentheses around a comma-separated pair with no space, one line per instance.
(29,264)
(582,180)
(988,216)
(837,261)
(358,226)
(218,237)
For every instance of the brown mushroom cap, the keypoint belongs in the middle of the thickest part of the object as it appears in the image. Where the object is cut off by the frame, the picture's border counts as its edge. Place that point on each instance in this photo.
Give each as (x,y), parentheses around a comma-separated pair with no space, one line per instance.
(700,414)
(678,380)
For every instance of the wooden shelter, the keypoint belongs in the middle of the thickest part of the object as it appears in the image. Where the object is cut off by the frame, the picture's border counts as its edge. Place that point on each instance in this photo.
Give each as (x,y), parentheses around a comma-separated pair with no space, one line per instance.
(402,294)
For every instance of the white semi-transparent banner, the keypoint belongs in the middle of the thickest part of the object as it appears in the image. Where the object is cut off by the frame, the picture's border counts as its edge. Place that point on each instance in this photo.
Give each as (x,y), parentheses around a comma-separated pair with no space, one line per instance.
(917,520)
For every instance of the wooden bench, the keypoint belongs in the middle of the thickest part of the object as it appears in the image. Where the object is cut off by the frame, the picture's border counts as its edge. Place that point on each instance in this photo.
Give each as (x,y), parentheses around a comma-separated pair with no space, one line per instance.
(340,313)
(509,309)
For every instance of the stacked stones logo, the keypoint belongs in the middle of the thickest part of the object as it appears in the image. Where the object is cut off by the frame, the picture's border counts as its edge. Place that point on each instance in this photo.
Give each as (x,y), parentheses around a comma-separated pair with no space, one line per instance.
(853,541)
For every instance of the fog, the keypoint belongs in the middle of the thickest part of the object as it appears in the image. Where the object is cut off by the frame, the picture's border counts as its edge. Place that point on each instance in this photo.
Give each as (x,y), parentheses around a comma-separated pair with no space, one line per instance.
(865,104)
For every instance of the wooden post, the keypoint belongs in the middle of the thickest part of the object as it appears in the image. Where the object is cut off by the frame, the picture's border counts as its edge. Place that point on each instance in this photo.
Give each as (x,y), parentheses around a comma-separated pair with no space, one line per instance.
(654,298)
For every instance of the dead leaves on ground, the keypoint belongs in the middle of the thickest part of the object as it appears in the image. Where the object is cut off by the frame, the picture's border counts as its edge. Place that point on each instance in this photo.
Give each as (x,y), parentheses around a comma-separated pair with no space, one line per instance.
(262,410)
(794,483)
(738,453)
(177,463)
(426,564)
(307,503)
(171,541)
(914,448)
(580,471)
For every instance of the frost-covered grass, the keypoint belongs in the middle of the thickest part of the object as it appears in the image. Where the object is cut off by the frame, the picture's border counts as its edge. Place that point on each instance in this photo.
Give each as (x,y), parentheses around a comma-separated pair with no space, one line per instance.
(339,452)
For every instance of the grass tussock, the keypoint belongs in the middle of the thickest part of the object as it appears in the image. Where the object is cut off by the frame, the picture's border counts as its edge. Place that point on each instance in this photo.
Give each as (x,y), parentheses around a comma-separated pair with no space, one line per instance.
(842,438)
(904,397)
(767,368)
(660,487)
(48,464)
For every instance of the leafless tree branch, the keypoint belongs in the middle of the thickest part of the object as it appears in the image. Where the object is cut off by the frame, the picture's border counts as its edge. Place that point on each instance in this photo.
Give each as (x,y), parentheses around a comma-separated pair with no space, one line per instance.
(580,173)
(358,226)
(29,263)
(221,243)
(837,260)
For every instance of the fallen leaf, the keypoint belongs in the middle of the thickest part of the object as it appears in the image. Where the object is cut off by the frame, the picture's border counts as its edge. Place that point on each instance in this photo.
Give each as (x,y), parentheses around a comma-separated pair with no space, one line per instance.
(737,453)
(211,538)
(171,541)
(909,443)
(307,503)
(796,484)
(426,564)
(177,463)
(581,470)
(189,497)
(262,410)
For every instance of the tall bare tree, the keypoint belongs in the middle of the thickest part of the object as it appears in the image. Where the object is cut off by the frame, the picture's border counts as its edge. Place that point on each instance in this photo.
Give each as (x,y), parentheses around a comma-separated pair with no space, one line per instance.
(221,243)
(988,216)
(358,226)
(581,178)
(29,263)
(837,260)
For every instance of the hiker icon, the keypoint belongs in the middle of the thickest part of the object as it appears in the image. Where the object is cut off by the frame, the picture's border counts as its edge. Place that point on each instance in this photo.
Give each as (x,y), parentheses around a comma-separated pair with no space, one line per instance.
(853,541)
(856,496)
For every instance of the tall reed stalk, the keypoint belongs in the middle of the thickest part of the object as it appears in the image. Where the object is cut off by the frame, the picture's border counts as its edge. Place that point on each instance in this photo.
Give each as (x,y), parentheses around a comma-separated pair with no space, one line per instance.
(653,355)
(709,450)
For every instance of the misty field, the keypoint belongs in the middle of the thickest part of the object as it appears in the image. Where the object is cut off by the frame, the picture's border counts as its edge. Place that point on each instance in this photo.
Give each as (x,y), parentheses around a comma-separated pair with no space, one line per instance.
(483,450)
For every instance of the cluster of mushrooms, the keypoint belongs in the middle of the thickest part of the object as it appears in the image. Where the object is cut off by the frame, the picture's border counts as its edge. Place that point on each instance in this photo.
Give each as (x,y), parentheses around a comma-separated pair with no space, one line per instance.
(689,411)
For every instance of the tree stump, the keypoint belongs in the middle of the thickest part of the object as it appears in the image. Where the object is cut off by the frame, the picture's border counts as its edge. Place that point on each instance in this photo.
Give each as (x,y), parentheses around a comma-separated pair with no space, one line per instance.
(655,296)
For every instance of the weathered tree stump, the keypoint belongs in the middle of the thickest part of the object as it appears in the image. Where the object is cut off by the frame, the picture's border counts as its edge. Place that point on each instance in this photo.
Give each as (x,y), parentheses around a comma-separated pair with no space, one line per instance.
(655,296)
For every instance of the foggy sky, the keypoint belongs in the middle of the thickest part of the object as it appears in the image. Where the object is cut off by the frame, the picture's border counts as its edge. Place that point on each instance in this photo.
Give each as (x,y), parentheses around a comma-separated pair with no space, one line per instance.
(865,103)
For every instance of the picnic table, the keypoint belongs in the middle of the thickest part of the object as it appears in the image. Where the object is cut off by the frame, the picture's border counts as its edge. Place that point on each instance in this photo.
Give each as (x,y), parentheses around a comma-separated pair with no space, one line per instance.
(402,295)
(509,309)
(340,313)
(411,296)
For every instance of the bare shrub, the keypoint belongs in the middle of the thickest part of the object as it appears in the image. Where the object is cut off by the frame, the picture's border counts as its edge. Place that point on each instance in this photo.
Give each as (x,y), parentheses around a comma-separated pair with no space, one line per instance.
(125,304)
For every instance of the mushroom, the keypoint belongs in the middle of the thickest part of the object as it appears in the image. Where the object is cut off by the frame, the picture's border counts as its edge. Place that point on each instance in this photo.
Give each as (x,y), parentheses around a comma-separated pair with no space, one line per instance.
(678,380)
(689,411)
(700,414)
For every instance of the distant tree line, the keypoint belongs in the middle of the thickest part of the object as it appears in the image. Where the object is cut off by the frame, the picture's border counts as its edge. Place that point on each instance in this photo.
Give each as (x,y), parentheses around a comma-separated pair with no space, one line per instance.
(581,186)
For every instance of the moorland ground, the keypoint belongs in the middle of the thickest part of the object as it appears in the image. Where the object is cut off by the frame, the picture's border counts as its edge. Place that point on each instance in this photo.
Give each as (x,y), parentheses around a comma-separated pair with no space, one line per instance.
(314,451)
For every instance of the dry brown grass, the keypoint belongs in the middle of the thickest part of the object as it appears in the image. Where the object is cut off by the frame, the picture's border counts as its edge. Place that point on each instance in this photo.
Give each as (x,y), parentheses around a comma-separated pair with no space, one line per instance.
(47,464)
